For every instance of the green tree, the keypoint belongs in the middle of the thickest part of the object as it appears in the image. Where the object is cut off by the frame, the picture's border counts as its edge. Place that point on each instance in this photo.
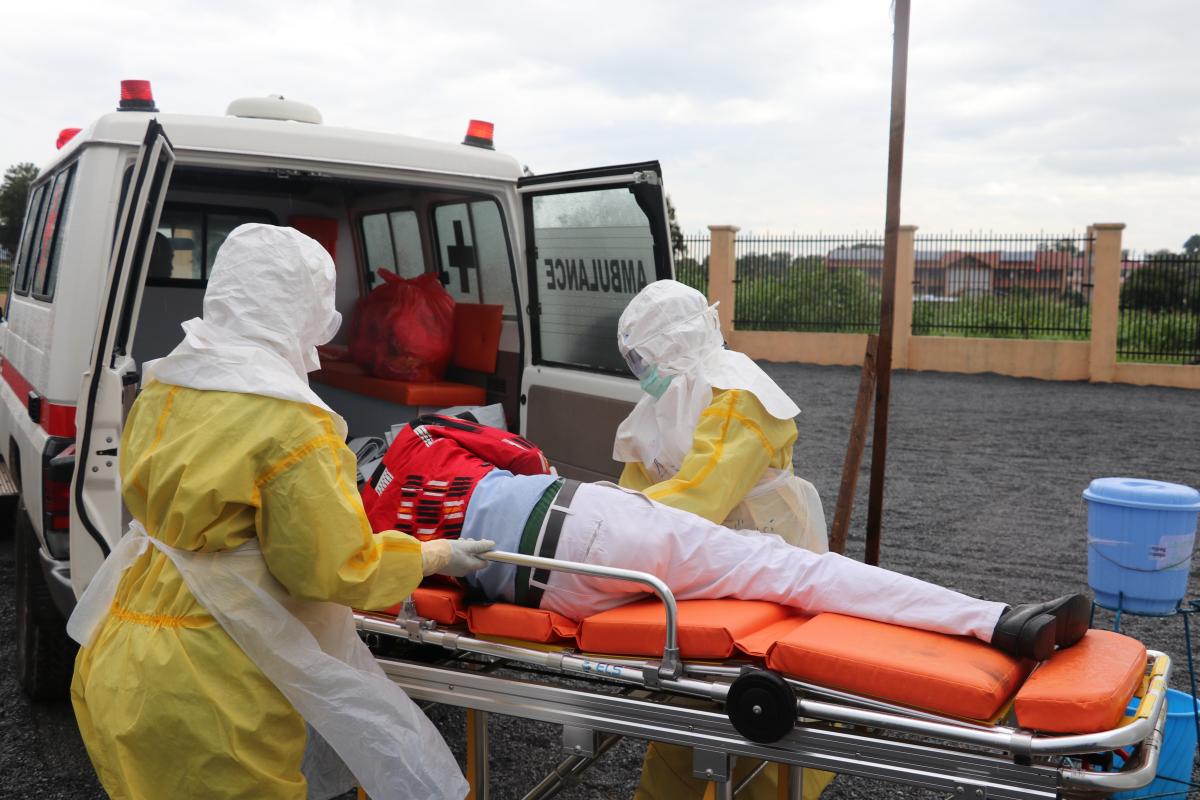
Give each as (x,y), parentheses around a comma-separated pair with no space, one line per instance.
(678,246)
(1191,247)
(14,193)
(1061,246)
(1162,286)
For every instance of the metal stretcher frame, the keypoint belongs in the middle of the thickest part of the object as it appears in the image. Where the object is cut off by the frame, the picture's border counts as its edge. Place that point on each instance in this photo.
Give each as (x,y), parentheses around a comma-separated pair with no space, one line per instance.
(872,738)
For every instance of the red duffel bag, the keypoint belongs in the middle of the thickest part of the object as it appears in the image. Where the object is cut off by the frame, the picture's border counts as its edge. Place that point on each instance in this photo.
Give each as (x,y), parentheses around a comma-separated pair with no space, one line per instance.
(404,329)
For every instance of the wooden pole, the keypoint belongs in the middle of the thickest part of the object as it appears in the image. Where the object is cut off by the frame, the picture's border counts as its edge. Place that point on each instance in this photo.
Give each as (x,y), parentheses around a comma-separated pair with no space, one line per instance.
(887,309)
(854,450)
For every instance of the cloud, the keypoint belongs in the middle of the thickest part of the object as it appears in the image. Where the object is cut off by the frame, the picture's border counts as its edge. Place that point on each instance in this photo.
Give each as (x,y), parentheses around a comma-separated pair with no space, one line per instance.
(1022,116)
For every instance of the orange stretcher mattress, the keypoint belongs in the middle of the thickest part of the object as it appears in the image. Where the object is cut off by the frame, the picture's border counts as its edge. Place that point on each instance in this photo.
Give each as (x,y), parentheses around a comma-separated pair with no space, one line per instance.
(1083,689)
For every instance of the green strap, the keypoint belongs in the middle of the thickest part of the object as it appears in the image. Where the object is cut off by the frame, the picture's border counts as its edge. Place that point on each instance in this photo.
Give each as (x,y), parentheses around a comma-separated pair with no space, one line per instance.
(529,538)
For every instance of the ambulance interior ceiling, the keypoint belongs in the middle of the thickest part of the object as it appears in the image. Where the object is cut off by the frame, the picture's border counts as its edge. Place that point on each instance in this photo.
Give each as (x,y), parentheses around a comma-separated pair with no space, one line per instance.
(204,204)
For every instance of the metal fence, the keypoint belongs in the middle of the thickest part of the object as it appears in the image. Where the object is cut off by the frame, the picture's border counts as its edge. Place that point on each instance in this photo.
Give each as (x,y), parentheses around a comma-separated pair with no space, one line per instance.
(691,263)
(1021,286)
(1027,287)
(808,283)
(1160,309)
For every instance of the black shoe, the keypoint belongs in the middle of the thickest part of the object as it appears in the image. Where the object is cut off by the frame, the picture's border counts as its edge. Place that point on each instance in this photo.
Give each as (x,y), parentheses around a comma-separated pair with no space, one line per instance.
(1033,629)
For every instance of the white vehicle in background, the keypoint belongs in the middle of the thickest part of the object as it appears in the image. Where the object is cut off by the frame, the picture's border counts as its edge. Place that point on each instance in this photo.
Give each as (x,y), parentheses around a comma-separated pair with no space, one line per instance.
(123,225)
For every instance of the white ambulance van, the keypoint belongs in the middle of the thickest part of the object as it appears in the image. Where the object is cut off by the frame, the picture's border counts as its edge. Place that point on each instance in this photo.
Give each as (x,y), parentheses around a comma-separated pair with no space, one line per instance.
(121,231)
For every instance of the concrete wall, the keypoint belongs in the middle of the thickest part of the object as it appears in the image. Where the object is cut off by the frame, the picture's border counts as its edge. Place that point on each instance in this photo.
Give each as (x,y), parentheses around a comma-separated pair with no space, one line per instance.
(1059,360)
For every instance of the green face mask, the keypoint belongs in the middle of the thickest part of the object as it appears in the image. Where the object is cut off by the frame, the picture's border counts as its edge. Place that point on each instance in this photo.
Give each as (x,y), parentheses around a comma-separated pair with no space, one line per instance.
(654,384)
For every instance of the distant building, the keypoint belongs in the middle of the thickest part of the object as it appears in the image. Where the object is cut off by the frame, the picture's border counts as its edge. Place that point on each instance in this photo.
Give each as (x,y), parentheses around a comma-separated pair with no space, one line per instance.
(958,273)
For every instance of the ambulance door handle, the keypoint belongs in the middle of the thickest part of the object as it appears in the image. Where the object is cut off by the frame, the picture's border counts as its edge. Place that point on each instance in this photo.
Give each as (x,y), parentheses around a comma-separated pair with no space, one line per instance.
(33,402)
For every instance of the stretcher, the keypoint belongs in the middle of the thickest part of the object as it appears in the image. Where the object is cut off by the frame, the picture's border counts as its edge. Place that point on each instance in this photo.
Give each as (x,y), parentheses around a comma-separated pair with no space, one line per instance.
(830,692)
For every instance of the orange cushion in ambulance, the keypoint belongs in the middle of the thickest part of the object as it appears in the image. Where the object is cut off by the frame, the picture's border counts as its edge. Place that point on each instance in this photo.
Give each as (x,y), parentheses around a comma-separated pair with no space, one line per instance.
(953,675)
(350,376)
(444,393)
(477,329)
(1085,688)
(707,628)
(439,602)
(323,229)
(518,622)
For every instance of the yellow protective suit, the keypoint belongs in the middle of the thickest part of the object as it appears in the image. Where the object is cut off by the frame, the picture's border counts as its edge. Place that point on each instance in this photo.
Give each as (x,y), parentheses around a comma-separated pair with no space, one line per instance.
(168,705)
(734,444)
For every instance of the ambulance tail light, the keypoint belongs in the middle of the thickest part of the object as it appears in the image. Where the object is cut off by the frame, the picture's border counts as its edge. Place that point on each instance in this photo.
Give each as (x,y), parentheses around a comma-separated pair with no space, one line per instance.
(58,466)
(479,134)
(66,135)
(136,96)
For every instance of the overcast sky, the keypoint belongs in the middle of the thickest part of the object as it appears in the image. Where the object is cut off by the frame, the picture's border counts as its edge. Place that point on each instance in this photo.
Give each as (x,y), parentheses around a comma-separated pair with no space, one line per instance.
(1023,115)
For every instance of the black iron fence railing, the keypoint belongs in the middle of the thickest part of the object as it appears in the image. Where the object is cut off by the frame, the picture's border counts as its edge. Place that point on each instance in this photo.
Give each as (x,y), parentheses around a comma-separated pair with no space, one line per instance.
(691,263)
(1027,287)
(1160,308)
(987,285)
(807,283)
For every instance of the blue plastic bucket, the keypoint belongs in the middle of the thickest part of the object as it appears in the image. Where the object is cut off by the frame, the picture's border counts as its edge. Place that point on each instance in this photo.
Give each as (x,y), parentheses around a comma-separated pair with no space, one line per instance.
(1178,750)
(1140,538)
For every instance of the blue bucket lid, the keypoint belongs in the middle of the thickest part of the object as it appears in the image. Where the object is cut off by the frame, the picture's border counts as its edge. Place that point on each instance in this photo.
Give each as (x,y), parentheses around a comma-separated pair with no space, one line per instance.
(1143,493)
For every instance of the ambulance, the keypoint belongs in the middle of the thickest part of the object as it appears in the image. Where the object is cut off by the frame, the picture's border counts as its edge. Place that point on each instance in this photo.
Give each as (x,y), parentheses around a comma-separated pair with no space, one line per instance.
(121,231)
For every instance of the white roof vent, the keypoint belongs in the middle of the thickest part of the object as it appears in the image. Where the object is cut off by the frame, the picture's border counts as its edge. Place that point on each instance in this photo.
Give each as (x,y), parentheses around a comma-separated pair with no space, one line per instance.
(274,107)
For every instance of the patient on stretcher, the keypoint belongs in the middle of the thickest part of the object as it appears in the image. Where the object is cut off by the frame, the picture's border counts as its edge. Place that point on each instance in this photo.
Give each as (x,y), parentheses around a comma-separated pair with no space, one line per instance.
(445,477)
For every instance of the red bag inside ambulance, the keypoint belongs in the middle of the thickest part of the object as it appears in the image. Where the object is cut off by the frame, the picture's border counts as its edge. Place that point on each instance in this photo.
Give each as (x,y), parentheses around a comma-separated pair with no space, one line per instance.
(404,329)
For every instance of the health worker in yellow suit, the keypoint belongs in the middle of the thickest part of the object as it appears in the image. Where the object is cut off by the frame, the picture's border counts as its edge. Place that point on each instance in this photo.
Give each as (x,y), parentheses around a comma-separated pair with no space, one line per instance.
(713,435)
(220,624)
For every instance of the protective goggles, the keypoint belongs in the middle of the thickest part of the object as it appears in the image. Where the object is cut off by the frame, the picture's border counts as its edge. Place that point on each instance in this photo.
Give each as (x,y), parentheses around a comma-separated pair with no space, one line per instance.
(637,365)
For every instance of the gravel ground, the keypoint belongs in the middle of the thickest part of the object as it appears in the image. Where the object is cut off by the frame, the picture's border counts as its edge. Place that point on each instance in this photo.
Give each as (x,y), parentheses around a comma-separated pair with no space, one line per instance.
(983,495)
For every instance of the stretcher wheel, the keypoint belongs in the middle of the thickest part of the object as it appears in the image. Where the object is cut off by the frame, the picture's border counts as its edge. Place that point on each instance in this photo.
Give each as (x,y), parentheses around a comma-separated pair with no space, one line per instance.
(762,706)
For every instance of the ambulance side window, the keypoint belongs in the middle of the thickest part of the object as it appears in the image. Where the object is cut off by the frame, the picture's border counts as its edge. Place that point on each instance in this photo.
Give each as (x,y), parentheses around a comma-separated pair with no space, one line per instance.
(28,242)
(189,238)
(50,251)
(473,254)
(392,241)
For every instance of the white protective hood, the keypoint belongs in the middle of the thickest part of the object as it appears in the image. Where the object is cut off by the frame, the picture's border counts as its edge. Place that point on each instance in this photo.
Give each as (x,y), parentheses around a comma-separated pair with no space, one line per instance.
(269,303)
(671,326)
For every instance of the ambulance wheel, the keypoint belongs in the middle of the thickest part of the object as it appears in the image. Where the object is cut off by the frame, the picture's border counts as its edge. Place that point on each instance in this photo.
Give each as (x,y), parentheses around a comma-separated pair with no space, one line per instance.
(45,656)
(762,706)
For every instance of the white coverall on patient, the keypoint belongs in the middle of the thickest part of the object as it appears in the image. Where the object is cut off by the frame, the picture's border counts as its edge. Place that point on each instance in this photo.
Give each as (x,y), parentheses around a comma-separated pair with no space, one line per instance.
(697,559)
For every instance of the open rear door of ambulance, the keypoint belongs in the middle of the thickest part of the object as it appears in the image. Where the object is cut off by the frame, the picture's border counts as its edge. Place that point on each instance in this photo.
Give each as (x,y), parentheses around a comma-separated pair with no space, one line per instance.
(593,239)
(97,518)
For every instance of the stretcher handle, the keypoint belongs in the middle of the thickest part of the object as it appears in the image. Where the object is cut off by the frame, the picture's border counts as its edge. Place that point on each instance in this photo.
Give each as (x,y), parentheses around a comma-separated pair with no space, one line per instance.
(671,666)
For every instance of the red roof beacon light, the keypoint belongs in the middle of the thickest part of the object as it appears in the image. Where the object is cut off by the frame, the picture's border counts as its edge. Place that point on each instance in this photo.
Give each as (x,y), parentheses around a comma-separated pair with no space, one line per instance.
(136,96)
(479,134)
(66,135)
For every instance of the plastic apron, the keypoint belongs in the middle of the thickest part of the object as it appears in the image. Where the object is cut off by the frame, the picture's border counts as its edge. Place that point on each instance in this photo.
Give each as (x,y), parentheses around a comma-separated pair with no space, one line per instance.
(311,652)
(786,505)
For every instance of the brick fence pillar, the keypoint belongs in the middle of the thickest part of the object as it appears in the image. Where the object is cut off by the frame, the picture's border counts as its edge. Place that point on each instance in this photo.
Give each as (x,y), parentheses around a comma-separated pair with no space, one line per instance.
(905,275)
(721,273)
(1106,299)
